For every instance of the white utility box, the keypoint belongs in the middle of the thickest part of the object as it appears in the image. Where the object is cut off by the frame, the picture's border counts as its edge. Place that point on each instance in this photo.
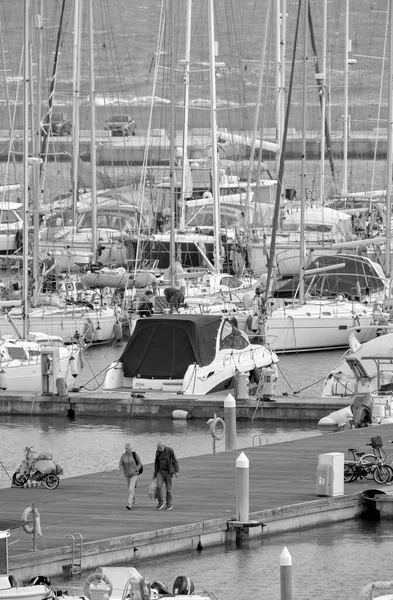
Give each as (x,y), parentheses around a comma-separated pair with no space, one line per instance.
(330,474)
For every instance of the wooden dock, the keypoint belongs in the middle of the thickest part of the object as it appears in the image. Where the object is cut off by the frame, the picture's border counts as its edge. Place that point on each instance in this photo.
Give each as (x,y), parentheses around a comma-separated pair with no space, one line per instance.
(162,404)
(282,497)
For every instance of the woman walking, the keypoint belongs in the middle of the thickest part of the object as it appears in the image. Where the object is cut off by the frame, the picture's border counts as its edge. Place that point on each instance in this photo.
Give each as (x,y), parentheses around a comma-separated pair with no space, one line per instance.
(130,465)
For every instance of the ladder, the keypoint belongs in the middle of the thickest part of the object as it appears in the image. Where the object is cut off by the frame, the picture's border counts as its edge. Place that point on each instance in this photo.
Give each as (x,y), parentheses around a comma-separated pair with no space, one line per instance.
(76,547)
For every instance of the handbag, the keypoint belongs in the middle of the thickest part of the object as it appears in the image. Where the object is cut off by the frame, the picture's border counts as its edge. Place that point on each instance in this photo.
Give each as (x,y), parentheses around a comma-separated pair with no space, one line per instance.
(152,491)
(140,462)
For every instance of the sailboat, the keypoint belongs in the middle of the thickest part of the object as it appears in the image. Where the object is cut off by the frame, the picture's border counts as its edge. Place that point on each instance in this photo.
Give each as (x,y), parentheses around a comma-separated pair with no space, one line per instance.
(33,362)
(58,317)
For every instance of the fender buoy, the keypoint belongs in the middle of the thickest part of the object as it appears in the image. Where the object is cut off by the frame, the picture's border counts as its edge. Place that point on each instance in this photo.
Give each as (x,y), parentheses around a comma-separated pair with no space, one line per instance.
(117,331)
(145,588)
(29,527)
(217,428)
(73,366)
(97,579)
(255,375)
(98,334)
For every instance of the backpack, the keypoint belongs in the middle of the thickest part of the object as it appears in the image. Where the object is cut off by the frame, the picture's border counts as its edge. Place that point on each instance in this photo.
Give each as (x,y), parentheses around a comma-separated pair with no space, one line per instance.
(140,462)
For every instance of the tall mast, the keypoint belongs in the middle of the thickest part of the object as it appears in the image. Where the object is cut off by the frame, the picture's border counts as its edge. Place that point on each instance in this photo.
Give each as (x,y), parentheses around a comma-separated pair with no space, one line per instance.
(185,167)
(390,146)
(323,102)
(304,148)
(345,144)
(93,158)
(26,79)
(75,105)
(172,248)
(213,115)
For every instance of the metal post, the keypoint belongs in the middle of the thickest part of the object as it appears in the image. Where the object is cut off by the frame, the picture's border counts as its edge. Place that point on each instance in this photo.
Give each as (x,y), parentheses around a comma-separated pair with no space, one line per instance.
(242,488)
(230,422)
(34,528)
(286,575)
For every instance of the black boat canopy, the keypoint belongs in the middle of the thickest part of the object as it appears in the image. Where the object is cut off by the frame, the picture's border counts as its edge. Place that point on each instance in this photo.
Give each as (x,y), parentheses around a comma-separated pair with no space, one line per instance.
(353,280)
(162,347)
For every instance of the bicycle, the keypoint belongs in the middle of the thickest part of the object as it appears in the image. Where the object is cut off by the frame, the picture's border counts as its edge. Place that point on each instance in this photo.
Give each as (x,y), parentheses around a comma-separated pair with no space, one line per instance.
(368,466)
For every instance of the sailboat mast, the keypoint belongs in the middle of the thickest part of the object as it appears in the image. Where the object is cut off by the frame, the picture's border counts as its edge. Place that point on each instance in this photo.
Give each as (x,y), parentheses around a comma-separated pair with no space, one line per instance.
(185,169)
(304,148)
(345,142)
(213,115)
(390,146)
(172,245)
(75,105)
(26,80)
(93,158)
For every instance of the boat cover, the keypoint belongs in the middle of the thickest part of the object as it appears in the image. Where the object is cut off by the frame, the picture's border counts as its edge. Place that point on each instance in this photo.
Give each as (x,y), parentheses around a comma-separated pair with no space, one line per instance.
(356,274)
(162,347)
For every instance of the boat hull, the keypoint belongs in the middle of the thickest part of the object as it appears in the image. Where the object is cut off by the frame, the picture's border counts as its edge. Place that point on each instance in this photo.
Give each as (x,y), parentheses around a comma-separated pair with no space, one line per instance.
(65,323)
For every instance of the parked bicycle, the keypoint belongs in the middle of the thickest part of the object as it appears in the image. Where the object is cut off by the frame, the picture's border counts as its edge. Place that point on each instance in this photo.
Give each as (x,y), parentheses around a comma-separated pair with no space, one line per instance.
(368,466)
(41,469)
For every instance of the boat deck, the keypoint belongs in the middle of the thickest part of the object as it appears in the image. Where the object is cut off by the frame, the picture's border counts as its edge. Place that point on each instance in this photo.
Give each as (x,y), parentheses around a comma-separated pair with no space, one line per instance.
(94,505)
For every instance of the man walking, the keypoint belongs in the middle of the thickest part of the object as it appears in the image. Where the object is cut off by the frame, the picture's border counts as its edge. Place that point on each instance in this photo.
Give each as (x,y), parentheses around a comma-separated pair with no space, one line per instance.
(165,466)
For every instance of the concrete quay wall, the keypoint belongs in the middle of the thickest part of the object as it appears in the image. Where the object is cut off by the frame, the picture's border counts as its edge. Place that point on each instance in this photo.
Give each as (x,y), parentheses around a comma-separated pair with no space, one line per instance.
(131,150)
(195,536)
(150,404)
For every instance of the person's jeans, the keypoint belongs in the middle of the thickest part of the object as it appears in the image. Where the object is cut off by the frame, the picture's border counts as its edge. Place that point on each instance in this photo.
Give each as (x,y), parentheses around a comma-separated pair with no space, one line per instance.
(131,483)
(163,477)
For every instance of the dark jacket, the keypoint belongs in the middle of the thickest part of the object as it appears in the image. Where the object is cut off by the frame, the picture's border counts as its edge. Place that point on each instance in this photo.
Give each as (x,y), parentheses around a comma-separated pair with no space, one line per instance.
(173,465)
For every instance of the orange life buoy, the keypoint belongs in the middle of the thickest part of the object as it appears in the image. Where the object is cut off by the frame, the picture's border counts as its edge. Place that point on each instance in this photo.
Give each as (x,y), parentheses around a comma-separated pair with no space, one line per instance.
(217,428)
(29,527)
(145,588)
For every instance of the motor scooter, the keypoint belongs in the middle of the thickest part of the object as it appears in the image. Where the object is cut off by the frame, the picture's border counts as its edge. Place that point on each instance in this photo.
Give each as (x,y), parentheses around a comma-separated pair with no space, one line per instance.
(37,470)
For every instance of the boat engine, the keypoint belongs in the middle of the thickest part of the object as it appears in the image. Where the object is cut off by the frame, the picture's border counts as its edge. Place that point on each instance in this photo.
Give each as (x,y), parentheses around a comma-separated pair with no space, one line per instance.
(183,586)
(362,410)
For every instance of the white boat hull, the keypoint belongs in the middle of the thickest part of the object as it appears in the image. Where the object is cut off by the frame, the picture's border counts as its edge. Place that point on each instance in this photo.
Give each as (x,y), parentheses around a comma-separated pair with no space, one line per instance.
(316,326)
(65,322)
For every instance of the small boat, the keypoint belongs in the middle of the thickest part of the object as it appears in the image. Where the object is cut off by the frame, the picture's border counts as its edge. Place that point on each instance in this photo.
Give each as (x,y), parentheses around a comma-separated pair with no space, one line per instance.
(192,354)
(113,582)
(68,320)
(364,368)
(21,363)
(367,592)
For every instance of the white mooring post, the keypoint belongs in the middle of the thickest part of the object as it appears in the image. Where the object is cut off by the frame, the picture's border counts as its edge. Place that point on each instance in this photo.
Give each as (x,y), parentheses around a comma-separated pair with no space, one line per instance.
(242,488)
(286,575)
(230,422)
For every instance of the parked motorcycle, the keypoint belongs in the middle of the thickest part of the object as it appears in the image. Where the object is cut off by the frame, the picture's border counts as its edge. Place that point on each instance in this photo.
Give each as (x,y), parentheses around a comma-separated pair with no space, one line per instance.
(37,469)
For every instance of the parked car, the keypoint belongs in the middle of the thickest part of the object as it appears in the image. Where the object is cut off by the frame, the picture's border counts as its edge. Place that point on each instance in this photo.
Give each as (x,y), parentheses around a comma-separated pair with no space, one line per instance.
(59,124)
(121,125)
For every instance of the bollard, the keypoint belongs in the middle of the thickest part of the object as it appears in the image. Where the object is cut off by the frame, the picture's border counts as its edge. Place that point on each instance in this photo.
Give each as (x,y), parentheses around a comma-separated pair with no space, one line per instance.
(242,488)
(230,422)
(286,575)
(242,381)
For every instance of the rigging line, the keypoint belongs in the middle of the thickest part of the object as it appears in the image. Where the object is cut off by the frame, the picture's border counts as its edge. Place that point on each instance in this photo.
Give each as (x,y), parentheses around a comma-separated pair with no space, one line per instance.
(310,385)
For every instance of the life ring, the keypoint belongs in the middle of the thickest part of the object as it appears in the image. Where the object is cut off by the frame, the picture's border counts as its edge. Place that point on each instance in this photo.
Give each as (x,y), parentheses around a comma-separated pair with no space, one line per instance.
(145,588)
(97,579)
(217,428)
(29,527)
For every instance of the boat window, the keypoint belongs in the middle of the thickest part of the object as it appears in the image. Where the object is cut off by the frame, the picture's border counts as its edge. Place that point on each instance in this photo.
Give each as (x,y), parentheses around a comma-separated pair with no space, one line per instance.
(8,216)
(231,282)
(17,353)
(232,338)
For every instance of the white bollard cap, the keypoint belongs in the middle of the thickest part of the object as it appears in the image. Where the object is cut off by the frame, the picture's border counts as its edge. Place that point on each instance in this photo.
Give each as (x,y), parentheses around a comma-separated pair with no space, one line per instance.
(242,461)
(229,401)
(285,558)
